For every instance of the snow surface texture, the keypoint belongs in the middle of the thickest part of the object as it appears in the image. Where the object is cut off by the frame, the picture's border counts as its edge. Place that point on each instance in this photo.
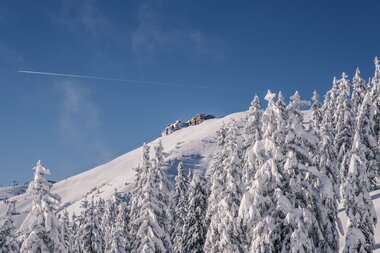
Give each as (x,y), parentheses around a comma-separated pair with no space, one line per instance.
(194,146)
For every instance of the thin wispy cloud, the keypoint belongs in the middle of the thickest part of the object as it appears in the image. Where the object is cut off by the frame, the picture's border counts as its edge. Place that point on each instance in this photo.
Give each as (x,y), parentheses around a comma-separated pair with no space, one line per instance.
(152,37)
(79,123)
(82,15)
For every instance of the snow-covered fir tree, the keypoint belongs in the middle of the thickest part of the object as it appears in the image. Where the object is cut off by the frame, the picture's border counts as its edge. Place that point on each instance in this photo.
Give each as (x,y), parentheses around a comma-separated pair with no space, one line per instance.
(281,115)
(109,218)
(90,237)
(224,235)
(345,125)
(329,187)
(252,133)
(375,97)
(152,219)
(164,194)
(357,202)
(300,199)
(41,231)
(216,166)
(335,98)
(180,210)
(329,105)
(8,242)
(257,212)
(137,194)
(196,219)
(316,112)
(359,90)
(365,126)
(74,224)
(118,231)
(66,231)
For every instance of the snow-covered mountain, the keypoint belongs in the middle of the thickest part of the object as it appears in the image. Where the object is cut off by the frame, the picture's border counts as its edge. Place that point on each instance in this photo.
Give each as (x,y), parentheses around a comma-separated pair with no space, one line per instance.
(194,146)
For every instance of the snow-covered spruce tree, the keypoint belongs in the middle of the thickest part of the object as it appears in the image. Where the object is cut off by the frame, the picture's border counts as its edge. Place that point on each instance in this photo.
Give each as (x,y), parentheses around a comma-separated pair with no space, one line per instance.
(152,220)
(375,97)
(8,242)
(224,235)
(299,200)
(89,238)
(180,210)
(216,166)
(252,133)
(357,202)
(281,115)
(74,224)
(41,229)
(118,232)
(359,90)
(329,188)
(333,101)
(316,112)
(137,194)
(66,231)
(164,194)
(109,218)
(196,220)
(345,125)
(329,105)
(258,215)
(365,126)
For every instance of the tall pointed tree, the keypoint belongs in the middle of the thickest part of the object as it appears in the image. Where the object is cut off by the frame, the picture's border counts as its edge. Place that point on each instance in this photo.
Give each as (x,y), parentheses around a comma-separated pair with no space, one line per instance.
(375,97)
(345,125)
(359,91)
(66,231)
(316,112)
(164,194)
(118,232)
(224,234)
(180,209)
(41,229)
(252,133)
(365,126)
(300,197)
(216,166)
(109,218)
(257,213)
(8,242)
(329,188)
(141,177)
(151,222)
(357,202)
(196,219)
(90,238)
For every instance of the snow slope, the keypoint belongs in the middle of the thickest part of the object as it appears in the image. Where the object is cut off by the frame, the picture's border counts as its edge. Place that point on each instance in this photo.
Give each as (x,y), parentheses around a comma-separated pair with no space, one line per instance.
(193,145)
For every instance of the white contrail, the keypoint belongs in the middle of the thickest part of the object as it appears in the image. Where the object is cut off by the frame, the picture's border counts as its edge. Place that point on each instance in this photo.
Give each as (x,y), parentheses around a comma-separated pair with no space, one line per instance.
(125,80)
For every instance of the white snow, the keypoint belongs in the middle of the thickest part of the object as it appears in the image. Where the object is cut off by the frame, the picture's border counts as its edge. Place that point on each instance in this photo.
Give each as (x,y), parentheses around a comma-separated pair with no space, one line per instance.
(193,145)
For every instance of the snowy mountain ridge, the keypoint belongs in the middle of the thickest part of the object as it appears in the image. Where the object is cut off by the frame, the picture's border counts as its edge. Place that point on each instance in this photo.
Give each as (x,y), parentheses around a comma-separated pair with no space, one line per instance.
(276,177)
(194,146)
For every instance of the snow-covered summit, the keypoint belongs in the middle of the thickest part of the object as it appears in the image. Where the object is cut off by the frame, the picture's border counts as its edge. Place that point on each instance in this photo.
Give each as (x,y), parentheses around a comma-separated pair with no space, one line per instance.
(194,146)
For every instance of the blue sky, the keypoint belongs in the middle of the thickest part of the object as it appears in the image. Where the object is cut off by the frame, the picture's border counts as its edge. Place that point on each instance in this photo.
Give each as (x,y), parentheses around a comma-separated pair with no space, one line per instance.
(241,48)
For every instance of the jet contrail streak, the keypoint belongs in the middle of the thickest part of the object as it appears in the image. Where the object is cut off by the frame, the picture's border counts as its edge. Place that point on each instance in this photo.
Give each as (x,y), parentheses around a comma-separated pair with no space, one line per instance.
(125,80)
